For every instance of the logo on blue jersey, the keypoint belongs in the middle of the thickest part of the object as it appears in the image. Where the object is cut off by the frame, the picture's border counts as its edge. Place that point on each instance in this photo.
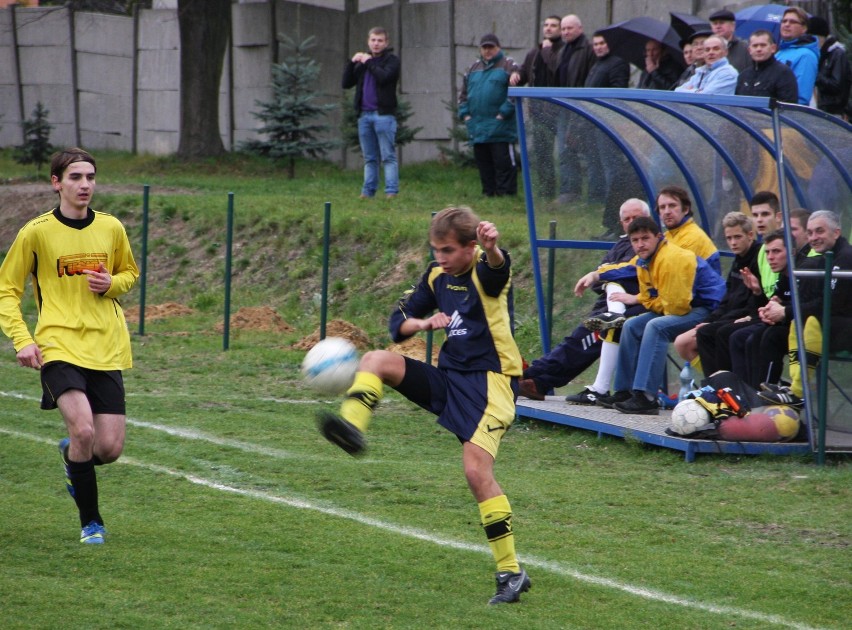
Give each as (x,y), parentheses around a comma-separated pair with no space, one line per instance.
(456,326)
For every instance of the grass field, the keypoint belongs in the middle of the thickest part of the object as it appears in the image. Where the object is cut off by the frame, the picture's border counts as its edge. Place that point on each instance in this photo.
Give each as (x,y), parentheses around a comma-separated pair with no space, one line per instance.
(229,510)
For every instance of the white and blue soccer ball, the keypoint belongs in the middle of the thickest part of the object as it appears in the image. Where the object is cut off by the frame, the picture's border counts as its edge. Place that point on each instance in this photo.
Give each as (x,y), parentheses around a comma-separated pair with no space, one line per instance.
(689,416)
(330,366)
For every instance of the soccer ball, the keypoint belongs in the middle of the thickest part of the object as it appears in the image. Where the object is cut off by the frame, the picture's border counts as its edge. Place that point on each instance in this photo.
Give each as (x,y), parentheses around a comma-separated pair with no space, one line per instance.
(329,367)
(689,416)
(786,420)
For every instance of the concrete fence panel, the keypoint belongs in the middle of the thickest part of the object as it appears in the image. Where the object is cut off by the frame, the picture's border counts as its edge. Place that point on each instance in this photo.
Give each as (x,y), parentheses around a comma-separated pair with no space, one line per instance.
(113,81)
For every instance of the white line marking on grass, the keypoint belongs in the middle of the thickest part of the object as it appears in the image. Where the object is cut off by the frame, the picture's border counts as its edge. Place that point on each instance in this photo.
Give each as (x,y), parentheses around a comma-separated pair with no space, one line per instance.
(530,561)
(246,447)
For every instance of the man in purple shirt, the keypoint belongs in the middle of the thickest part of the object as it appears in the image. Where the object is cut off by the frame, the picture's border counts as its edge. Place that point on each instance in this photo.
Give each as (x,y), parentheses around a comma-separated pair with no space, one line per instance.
(374,76)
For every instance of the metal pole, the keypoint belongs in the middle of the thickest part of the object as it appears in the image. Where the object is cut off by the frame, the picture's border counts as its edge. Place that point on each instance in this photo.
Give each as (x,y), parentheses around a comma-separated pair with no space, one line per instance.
(822,392)
(430,334)
(551,280)
(326,243)
(143,273)
(229,242)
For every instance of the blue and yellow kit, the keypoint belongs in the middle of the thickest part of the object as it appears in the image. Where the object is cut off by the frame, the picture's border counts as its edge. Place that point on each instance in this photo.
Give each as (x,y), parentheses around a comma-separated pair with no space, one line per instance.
(479,301)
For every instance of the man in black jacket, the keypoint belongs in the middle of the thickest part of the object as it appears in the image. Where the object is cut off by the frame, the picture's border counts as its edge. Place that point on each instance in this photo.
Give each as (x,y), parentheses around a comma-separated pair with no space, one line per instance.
(609,173)
(766,76)
(834,77)
(823,236)
(661,69)
(724,25)
(574,63)
(738,300)
(374,76)
(539,70)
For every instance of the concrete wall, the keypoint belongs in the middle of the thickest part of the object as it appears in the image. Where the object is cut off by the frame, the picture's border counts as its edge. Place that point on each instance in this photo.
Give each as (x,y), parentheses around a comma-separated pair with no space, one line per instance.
(113,82)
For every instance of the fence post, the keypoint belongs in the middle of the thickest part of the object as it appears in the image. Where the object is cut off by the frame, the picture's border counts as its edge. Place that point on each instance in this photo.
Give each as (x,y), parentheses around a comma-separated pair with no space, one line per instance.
(144,270)
(229,239)
(326,244)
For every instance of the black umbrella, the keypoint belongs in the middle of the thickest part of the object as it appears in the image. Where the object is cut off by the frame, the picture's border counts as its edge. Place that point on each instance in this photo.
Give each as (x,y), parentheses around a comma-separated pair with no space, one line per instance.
(685,24)
(627,39)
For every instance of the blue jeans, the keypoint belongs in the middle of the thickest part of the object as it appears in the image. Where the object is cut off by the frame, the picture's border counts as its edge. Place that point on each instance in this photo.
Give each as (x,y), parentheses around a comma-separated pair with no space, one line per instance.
(644,343)
(377,134)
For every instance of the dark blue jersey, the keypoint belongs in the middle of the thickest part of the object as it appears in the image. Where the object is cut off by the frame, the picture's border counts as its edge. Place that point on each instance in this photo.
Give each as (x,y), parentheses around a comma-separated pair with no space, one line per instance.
(479,303)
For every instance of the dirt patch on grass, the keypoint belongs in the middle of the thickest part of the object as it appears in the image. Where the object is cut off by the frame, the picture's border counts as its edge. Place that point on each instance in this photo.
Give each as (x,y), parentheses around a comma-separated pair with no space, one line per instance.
(260,318)
(414,348)
(337,328)
(158,311)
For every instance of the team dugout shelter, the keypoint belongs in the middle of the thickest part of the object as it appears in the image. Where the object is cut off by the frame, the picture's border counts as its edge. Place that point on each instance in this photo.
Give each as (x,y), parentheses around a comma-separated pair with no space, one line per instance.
(586,150)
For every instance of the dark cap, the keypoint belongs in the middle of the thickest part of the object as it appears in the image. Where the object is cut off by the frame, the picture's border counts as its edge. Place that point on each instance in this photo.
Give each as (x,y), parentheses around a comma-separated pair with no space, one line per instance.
(489,40)
(723,15)
(818,26)
(701,33)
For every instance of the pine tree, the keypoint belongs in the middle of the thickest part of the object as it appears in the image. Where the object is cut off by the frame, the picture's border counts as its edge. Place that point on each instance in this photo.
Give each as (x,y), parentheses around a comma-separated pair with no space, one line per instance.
(287,127)
(459,151)
(36,148)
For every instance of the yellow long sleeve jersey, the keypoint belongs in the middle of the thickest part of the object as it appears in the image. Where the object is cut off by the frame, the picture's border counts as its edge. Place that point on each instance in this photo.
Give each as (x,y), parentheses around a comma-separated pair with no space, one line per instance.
(75,324)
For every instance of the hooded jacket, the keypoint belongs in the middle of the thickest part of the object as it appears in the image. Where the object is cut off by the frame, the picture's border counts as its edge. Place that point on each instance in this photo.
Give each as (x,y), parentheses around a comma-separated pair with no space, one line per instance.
(802,55)
(484,95)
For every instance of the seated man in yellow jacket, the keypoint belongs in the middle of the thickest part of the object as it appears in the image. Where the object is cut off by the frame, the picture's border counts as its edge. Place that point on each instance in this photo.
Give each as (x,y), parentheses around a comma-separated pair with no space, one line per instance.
(679,289)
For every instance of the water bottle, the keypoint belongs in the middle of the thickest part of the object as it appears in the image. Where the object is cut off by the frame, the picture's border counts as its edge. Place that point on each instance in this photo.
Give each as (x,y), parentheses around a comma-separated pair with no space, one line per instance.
(687,383)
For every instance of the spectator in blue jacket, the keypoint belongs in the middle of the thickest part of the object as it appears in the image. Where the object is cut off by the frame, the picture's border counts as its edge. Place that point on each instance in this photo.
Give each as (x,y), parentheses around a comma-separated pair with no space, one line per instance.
(716,76)
(800,51)
(490,116)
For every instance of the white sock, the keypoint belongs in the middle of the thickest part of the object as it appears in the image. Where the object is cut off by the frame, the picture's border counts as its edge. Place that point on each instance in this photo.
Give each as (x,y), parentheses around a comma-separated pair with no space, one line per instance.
(606,367)
(611,305)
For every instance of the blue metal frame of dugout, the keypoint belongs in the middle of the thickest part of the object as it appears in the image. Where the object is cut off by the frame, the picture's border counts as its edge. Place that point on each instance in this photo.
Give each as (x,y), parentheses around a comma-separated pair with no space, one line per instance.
(670,122)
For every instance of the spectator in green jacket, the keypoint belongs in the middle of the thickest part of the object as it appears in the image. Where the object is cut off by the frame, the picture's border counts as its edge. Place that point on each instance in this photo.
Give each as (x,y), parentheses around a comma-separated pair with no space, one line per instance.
(485,107)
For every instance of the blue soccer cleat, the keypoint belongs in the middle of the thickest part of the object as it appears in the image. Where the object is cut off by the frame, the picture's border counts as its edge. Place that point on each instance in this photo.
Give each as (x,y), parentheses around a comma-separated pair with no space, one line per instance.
(93,534)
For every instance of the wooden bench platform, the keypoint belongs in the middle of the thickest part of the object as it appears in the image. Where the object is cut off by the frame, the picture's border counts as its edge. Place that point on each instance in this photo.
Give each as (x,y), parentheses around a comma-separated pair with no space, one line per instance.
(647,429)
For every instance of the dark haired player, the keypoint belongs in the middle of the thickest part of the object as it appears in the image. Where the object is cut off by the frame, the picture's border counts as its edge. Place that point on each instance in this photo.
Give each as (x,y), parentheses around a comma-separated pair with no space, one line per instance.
(80,263)
(466,291)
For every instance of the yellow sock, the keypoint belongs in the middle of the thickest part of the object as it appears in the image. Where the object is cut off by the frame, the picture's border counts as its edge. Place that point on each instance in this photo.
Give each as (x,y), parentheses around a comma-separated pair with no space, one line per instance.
(496,514)
(813,353)
(361,399)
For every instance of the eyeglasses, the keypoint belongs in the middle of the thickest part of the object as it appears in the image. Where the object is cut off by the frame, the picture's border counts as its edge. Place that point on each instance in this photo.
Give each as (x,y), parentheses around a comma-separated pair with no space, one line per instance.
(792,22)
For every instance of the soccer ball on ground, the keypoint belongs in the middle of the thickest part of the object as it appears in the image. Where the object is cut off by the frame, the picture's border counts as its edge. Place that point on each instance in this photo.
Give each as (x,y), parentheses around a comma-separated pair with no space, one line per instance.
(786,420)
(330,366)
(689,416)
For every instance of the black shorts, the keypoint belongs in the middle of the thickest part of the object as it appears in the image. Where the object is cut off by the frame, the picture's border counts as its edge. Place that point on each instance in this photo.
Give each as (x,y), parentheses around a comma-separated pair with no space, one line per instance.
(478,407)
(103,388)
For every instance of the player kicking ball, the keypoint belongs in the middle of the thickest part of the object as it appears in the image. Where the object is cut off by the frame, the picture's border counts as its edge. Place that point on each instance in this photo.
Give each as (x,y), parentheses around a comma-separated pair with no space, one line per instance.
(466,290)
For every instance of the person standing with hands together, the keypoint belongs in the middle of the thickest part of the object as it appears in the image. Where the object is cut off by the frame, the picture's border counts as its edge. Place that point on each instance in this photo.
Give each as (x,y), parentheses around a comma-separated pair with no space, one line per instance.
(374,76)
(467,292)
(80,263)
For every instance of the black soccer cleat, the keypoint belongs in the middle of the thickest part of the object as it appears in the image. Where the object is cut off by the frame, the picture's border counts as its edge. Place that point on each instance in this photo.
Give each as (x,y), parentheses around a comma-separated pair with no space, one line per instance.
(638,404)
(617,397)
(342,433)
(510,586)
(605,321)
(586,397)
(780,395)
